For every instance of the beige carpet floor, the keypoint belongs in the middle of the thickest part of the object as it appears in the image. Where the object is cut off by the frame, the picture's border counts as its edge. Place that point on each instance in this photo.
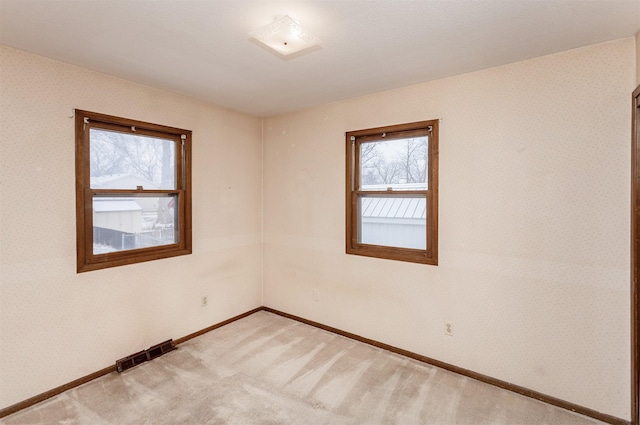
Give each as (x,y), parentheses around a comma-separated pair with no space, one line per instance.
(266,369)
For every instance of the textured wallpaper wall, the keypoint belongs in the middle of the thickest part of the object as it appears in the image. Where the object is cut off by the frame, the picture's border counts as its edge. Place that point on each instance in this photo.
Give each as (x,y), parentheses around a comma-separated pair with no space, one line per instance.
(638,58)
(56,325)
(534,255)
(534,224)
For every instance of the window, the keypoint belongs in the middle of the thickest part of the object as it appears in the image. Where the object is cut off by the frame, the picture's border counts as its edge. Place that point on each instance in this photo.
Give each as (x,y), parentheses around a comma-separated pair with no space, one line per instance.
(392,192)
(133,191)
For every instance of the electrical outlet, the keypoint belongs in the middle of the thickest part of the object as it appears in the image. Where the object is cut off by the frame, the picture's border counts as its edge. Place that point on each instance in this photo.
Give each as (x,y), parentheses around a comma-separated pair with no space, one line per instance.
(204,301)
(315,295)
(448,328)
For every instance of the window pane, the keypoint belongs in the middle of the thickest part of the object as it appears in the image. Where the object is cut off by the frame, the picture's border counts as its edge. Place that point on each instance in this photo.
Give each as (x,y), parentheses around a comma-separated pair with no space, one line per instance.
(126,161)
(401,164)
(392,221)
(124,223)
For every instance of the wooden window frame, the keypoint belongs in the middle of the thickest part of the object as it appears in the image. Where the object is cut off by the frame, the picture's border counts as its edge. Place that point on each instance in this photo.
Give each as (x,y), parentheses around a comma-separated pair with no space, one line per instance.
(86,259)
(354,192)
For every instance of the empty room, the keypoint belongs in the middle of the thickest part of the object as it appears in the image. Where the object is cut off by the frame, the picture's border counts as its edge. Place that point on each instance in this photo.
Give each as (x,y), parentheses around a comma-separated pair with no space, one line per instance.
(319,211)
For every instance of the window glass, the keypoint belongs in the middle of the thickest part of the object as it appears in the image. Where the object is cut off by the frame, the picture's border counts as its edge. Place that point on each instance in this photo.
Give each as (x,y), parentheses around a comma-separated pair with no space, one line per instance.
(126,223)
(393,221)
(126,161)
(398,164)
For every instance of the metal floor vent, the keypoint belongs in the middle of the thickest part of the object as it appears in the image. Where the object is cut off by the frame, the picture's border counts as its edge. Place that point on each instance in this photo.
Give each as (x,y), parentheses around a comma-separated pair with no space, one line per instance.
(144,355)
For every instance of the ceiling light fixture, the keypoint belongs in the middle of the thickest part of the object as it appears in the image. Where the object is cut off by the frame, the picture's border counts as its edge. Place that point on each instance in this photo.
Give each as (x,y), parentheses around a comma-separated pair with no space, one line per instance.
(285,38)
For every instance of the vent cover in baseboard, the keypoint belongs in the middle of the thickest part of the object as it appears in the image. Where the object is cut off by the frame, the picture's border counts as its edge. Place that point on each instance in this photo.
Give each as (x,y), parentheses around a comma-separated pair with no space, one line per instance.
(144,355)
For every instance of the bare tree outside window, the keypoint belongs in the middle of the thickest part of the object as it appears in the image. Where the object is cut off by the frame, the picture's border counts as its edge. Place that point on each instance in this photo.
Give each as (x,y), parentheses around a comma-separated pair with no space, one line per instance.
(394,162)
(115,154)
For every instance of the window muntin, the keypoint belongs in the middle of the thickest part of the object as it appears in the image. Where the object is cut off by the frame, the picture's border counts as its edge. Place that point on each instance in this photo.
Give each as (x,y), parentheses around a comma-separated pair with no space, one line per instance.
(392,192)
(133,191)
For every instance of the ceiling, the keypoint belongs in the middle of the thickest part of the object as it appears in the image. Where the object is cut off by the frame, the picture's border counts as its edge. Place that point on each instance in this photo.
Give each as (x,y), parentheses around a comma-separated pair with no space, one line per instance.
(201,48)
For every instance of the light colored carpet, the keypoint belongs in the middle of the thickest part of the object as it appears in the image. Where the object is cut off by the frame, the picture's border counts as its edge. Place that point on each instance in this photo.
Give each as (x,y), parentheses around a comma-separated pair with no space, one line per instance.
(266,369)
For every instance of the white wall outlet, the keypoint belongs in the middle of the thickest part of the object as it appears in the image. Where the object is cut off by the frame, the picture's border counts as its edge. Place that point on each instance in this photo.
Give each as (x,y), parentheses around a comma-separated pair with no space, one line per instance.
(448,328)
(204,301)
(315,295)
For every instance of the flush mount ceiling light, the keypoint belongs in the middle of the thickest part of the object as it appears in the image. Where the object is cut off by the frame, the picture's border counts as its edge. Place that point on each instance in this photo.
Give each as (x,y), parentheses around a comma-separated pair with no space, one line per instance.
(285,38)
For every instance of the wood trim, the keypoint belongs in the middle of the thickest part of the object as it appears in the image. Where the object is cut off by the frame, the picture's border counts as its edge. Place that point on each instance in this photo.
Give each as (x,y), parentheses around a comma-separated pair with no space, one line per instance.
(112,120)
(434,178)
(54,392)
(392,128)
(635,253)
(461,371)
(80,177)
(350,155)
(392,193)
(152,193)
(216,326)
(76,383)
